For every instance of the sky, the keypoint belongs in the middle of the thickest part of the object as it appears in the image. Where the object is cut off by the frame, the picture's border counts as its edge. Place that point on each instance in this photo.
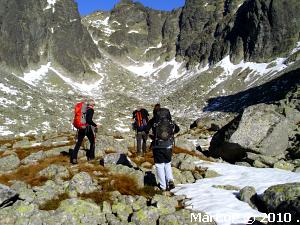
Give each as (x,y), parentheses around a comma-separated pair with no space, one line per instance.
(88,6)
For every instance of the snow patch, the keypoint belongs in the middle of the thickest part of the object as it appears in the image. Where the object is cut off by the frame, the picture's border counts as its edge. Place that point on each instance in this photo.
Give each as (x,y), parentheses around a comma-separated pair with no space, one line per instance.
(34,76)
(4,131)
(153,47)
(222,204)
(8,90)
(133,31)
(51,5)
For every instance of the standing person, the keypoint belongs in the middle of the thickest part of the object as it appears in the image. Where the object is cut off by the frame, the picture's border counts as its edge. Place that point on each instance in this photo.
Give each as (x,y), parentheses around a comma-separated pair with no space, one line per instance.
(140,117)
(163,139)
(87,128)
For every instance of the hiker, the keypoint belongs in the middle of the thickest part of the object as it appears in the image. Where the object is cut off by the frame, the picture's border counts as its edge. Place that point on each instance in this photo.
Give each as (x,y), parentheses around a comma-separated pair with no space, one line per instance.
(86,127)
(163,129)
(140,117)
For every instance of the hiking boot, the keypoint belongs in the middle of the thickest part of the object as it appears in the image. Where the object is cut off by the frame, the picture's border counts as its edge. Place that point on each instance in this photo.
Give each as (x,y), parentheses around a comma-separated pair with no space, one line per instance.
(171,185)
(74,161)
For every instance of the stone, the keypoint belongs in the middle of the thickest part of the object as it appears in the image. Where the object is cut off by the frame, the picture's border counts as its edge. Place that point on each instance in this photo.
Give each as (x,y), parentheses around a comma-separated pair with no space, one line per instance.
(188,176)
(166,205)
(24,191)
(80,211)
(122,211)
(284,165)
(255,130)
(211,174)
(259,164)
(116,158)
(274,196)
(147,216)
(7,196)
(34,158)
(248,195)
(9,162)
(82,183)
(55,172)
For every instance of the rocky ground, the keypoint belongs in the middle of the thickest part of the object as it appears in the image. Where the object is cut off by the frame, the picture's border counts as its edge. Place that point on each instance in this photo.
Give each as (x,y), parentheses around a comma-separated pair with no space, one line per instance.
(39,185)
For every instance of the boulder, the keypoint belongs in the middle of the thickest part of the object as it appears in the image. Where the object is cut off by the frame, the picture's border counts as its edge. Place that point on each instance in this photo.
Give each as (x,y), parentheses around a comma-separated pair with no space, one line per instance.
(146,216)
(122,210)
(259,127)
(82,183)
(284,165)
(55,172)
(248,195)
(34,158)
(9,162)
(274,196)
(76,211)
(116,158)
(7,196)
(166,205)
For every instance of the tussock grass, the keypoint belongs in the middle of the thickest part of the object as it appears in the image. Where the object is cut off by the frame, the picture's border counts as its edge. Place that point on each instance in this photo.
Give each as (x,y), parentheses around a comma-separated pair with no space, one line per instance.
(97,196)
(29,174)
(177,150)
(53,204)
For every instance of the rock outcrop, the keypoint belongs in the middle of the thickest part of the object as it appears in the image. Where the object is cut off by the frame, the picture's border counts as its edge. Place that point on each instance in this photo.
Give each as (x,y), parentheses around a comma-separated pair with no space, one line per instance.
(37,32)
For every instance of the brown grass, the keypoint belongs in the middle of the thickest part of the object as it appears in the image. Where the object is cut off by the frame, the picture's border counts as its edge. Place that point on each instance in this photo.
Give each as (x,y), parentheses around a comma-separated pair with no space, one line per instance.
(127,185)
(90,168)
(53,204)
(97,196)
(177,150)
(29,174)
(23,153)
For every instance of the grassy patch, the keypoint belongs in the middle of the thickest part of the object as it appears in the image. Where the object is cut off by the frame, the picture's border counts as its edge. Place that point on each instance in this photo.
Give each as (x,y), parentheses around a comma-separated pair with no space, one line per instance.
(177,150)
(53,204)
(29,174)
(97,196)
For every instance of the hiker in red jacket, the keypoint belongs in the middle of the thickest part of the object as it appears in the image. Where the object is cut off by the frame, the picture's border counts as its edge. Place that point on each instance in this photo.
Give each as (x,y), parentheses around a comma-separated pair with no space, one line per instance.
(88,130)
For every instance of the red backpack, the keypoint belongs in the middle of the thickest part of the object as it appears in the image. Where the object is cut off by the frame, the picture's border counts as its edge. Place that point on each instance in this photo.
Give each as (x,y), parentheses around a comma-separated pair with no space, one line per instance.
(79,121)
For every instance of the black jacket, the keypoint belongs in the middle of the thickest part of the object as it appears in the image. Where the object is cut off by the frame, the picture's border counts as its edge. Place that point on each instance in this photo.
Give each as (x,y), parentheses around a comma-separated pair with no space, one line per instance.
(89,117)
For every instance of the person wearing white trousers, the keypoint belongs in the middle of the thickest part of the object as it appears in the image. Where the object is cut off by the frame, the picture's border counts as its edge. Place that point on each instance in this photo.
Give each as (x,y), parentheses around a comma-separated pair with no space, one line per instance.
(164,174)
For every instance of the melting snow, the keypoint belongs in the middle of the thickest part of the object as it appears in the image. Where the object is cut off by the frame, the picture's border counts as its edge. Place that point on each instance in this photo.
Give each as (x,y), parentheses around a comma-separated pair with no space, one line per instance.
(4,131)
(8,90)
(50,5)
(133,31)
(223,205)
(36,75)
(153,47)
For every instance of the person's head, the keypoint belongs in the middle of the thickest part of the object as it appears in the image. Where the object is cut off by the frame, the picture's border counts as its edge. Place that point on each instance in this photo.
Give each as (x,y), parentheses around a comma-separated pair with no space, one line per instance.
(83,98)
(91,102)
(156,108)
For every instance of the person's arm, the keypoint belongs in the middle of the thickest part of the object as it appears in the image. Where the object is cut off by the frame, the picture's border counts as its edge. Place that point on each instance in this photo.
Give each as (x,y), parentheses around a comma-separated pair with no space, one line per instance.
(149,125)
(89,117)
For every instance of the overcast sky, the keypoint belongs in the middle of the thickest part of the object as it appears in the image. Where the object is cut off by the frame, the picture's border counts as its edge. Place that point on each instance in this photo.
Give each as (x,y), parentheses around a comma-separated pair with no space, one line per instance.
(89,6)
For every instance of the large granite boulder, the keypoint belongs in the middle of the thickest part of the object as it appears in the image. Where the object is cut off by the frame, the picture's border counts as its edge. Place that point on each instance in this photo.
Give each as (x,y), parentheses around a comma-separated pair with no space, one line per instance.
(260,129)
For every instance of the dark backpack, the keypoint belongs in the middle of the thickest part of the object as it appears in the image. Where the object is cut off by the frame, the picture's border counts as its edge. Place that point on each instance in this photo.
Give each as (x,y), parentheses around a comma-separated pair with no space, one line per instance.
(164,127)
(141,120)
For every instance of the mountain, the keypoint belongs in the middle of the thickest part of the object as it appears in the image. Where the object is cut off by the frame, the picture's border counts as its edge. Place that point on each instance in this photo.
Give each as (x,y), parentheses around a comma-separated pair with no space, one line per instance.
(228,70)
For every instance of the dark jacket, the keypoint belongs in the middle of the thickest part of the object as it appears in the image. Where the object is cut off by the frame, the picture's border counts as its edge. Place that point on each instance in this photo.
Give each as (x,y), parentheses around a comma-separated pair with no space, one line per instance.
(89,117)
(161,154)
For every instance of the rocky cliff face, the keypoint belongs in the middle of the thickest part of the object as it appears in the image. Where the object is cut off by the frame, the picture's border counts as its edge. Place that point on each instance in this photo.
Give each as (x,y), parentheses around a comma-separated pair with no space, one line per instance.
(252,30)
(35,32)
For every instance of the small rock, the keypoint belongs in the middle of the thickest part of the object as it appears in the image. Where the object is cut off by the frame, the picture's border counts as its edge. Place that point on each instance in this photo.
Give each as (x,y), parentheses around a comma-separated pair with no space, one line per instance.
(259,164)
(211,174)
(284,165)
(248,195)
(146,216)
(188,176)
(243,164)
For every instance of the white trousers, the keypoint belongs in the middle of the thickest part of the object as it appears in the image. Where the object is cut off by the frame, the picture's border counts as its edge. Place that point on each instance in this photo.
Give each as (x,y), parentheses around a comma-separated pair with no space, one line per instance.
(164,174)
